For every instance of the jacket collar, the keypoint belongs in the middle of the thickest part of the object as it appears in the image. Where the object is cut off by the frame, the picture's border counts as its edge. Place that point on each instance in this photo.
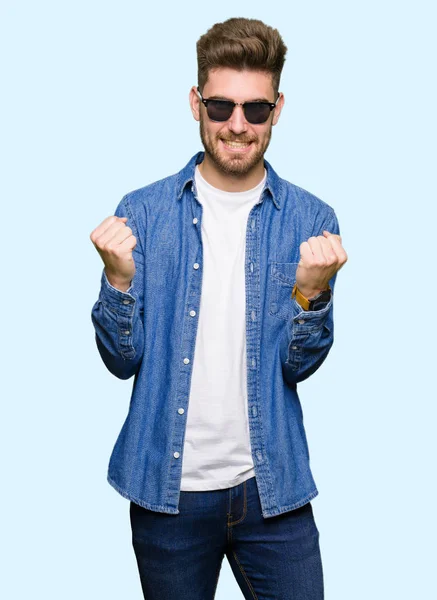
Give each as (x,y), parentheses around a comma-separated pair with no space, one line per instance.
(186,175)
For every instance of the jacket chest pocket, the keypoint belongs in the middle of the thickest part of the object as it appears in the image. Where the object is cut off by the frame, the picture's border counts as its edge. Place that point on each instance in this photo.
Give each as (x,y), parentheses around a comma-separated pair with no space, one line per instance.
(282,277)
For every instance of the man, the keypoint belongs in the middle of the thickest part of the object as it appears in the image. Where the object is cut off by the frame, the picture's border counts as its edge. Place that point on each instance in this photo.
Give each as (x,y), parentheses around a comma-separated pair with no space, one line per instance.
(217,296)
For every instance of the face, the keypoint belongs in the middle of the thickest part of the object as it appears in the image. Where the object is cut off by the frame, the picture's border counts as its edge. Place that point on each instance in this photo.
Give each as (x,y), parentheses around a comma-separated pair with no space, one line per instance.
(238,86)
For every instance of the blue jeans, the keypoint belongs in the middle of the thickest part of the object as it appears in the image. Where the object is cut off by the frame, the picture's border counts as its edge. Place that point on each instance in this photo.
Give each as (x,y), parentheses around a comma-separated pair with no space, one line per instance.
(180,556)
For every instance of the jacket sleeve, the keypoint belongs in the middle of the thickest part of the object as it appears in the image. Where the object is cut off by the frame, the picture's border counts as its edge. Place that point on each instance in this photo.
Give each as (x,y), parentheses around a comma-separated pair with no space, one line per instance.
(309,335)
(118,316)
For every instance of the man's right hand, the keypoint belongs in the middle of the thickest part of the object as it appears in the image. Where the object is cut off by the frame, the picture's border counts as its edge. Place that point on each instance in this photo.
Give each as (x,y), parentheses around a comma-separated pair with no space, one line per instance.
(114,242)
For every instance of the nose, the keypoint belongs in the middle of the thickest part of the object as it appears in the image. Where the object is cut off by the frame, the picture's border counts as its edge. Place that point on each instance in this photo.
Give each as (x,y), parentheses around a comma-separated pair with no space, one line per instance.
(237,123)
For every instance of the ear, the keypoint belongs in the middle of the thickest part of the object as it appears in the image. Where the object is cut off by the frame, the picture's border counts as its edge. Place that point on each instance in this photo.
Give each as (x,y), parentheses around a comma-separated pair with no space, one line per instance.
(277,110)
(194,102)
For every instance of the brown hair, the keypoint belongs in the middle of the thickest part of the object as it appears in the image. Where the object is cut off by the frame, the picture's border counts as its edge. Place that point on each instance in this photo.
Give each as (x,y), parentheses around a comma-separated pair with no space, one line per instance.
(240,43)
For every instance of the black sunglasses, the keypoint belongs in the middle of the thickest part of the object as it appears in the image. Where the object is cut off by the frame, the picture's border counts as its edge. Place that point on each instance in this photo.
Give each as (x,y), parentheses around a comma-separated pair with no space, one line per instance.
(221,110)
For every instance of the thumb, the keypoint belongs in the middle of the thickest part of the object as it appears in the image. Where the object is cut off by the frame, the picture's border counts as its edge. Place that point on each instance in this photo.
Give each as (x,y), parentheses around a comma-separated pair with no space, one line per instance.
(327,234)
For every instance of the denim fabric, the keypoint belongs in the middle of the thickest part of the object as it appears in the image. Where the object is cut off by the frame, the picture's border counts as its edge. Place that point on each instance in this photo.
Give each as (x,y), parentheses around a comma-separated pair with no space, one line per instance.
(149,332)
(181,556)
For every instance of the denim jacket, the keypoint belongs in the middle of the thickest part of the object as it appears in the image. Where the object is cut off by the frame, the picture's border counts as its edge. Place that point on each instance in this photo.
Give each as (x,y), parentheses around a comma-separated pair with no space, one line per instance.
(149,332)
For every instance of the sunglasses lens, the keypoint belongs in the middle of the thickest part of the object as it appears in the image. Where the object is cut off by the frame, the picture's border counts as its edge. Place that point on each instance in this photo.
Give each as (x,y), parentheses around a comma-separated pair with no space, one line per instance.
(219,110)
(256,112)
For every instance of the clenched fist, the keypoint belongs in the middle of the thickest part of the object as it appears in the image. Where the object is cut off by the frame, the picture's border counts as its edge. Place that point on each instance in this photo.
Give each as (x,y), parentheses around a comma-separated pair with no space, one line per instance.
(320,258)
(114,242)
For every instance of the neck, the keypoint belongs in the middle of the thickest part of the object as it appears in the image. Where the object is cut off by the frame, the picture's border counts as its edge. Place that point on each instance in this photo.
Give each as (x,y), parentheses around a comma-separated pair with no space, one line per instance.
(231,183)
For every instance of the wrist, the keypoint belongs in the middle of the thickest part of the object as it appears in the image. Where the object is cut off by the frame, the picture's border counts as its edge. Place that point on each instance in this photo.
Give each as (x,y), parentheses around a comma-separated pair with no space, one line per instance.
(119,284)
(310,293)
(315,300)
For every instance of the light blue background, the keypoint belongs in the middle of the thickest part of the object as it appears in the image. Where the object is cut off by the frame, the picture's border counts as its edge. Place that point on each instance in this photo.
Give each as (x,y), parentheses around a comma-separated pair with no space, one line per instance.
(94,104)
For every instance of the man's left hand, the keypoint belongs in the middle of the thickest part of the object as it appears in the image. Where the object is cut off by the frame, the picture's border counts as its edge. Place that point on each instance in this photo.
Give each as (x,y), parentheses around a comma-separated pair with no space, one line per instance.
(320,258)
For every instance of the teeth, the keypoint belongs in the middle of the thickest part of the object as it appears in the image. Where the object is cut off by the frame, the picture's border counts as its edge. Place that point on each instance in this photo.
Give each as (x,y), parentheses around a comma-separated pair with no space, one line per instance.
(237,144)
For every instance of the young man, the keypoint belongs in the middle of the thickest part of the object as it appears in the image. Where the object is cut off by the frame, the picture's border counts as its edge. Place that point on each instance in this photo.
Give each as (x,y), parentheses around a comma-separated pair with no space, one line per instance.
(217,296)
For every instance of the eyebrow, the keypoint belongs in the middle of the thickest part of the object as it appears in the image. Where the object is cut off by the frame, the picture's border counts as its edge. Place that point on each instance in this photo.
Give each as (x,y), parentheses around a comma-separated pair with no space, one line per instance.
(218,97)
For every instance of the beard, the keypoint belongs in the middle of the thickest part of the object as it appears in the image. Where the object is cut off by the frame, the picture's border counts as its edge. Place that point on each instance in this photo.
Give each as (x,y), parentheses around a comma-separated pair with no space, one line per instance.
(239,164)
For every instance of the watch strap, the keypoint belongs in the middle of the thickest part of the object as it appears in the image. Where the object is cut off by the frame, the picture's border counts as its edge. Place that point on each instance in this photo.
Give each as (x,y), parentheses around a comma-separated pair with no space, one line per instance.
(300,298)
(311,303)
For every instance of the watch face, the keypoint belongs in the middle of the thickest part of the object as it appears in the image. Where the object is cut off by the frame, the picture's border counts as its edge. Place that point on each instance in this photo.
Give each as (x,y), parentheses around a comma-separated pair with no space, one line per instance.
(320,300)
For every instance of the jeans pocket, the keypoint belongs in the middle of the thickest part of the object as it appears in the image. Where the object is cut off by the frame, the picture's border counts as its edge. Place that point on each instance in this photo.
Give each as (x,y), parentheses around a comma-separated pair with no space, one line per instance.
(281,280)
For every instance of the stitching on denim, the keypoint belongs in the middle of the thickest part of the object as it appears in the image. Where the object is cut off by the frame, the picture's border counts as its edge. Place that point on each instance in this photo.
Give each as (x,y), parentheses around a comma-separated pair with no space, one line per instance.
(243,571)
(229,529)
(245,576)
(284,509)
(109,307)
(164,508)
(133,226)
(244,509)
(125,348)
(284,279)
(257,253)
(273,287)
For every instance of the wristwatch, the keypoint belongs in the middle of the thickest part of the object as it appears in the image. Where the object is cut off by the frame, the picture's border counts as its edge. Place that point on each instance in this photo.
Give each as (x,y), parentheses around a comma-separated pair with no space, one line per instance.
(316,302)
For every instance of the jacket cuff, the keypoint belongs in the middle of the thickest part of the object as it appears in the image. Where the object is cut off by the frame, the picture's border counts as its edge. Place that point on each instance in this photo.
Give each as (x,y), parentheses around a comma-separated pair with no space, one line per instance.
(120,302)
(308,320)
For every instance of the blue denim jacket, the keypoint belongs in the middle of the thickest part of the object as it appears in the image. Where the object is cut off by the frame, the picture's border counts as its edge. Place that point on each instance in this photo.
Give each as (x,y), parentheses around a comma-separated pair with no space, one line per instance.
(148,332)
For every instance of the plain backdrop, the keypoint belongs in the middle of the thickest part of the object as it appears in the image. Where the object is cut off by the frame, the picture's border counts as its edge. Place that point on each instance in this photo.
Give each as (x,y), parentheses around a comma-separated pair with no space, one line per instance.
(94,104)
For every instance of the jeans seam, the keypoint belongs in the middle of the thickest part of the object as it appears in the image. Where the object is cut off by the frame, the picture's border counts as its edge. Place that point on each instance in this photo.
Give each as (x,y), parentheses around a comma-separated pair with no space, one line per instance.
(243,571)
(244,508)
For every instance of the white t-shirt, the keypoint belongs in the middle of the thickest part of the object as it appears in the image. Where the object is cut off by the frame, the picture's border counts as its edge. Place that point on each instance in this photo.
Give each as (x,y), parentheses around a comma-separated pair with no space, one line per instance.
(217,452)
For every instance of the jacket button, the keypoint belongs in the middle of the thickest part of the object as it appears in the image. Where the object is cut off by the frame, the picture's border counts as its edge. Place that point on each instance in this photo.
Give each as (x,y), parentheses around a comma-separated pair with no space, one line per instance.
(176,454)
(181,411)
(196,265)
(192,313)
(194,220)
(186,361)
